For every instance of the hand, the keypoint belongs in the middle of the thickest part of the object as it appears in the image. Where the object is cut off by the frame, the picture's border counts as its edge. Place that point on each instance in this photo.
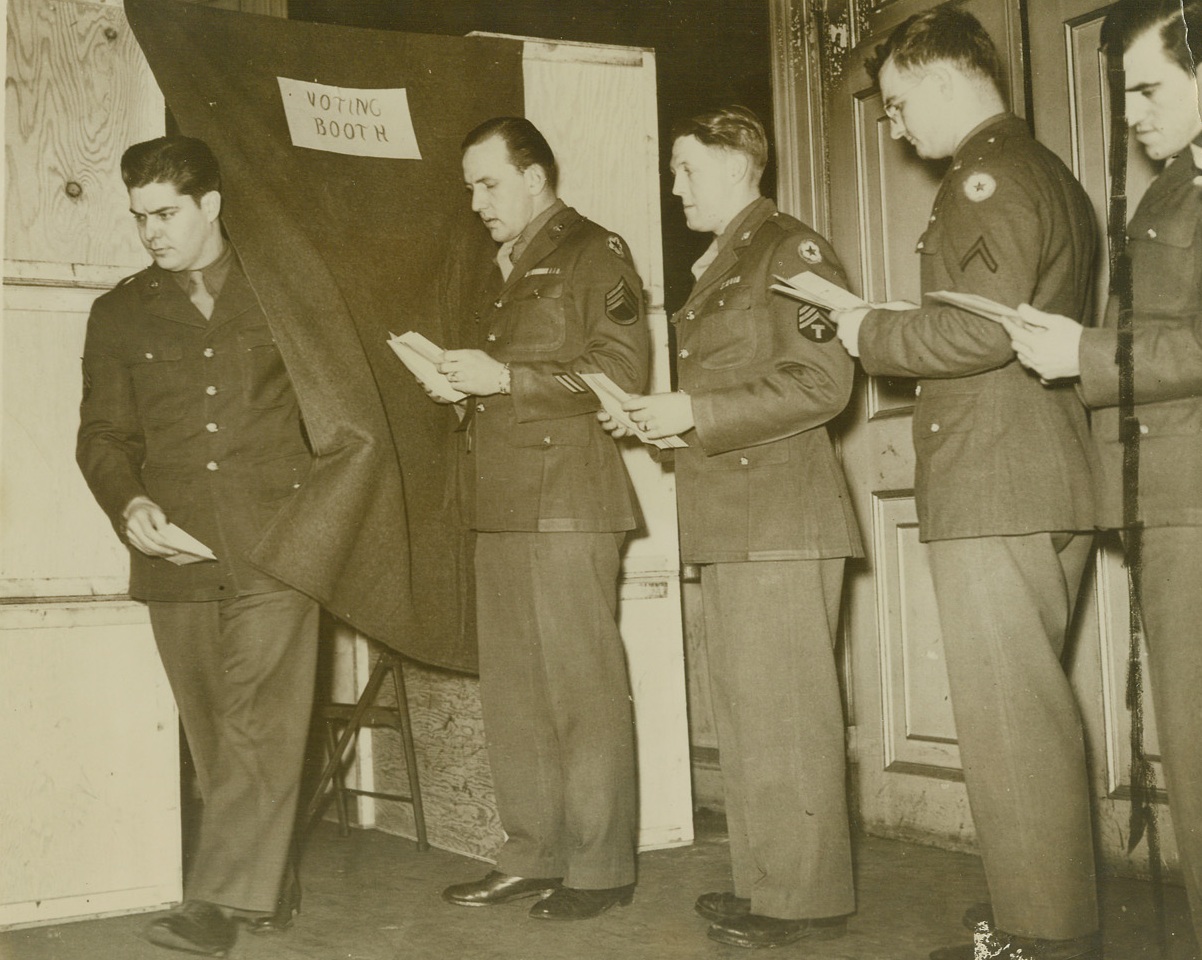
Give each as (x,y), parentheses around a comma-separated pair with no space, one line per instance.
(144,520)
(661,414)
(1047,343)
(611,426)
(847,327)
(472,371)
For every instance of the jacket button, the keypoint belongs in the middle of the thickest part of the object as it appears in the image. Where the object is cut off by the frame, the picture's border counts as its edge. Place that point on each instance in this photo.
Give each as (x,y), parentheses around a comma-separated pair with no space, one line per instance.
(479,408)
(498,304)
(934,428)
(211,391)
(918,390)
(1151,234)
(211,427)
(150,356)
(208,351)
(743,461)
(722,303)
(690,315)
(683,354)
(1143,428)
(491,338)
(546,441)
(211,465)
(920,245)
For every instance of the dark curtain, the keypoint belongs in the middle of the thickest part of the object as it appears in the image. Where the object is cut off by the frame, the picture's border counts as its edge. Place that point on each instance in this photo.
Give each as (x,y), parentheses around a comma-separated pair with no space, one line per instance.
(341,250)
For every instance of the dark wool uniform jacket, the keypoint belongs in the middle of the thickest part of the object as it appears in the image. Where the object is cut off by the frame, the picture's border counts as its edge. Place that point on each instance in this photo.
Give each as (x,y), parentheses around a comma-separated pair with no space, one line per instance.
(537,459)
(997,452)
(200,416)
(759,479)
(1165,246)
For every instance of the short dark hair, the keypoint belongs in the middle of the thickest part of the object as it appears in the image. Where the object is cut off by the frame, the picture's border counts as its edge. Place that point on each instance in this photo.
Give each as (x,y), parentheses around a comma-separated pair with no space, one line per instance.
(184,162)
(944,33)
(526,146)
(733,128)
(1176,20)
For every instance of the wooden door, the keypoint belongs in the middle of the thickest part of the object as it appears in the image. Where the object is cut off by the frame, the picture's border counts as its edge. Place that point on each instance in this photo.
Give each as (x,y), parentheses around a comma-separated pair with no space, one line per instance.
(1071,109)
(903,740)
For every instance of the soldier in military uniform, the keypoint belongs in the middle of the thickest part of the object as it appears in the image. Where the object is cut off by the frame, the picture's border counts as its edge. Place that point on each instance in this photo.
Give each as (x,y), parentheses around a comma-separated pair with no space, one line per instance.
(764,509)
(1165,247)
(1003,472)
(189,419)
(546,492)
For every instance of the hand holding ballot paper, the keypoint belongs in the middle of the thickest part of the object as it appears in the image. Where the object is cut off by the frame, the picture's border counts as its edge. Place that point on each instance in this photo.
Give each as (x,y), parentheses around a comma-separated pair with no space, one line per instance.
(421,356)
(618,405)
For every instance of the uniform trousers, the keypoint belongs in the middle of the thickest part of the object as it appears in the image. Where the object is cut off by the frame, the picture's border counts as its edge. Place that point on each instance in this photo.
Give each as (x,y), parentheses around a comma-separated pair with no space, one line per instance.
(1172,588)
(770,629)
(556,702)
(242,672)
(1004,607)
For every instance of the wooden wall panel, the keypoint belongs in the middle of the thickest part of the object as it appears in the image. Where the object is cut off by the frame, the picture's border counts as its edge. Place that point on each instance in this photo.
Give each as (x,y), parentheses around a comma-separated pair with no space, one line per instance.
(78,93)
(57,541)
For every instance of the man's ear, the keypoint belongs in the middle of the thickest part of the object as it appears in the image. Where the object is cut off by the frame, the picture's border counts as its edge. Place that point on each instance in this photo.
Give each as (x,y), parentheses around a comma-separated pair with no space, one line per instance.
(941,76)
(738,166)
(536,179)
(210,205)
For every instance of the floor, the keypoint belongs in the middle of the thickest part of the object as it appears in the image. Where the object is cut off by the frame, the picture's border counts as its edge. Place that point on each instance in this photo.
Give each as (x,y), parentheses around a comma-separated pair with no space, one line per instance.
(374,897)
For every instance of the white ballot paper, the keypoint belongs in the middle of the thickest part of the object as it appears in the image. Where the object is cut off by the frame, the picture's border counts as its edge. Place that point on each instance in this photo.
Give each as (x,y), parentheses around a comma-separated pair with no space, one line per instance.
(190,549)
(421,356)
(981,306)
(612,397)
(813,289)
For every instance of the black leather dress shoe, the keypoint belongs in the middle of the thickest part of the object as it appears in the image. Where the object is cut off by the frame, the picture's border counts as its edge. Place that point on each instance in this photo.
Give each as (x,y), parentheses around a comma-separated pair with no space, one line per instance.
(719,907)
(977,913)
(287,907)
(1006,946)
(195,926)
(754,930)
(497,888)
(572,903)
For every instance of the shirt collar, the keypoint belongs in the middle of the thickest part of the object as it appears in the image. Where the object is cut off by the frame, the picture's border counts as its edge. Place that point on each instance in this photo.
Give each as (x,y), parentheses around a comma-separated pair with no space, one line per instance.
(726,237)
(531,230)
(214,275)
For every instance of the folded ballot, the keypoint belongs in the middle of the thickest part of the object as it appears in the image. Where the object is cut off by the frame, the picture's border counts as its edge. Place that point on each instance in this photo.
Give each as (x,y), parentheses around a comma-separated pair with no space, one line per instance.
(978,305)
(190,549)
(612,397)
(421,356)
(817,291)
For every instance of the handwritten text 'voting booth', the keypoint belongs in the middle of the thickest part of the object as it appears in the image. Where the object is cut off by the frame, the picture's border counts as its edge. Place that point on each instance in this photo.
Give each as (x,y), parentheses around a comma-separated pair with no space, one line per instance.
(364,123)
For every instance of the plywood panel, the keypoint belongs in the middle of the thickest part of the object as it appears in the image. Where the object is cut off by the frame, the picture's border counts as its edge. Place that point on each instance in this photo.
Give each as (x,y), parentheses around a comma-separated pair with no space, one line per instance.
(56,540)
(90,795)
(78,93)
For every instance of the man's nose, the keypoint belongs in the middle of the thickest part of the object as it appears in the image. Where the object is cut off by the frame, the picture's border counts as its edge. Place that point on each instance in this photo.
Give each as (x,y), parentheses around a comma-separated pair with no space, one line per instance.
(897,129)
(478,200)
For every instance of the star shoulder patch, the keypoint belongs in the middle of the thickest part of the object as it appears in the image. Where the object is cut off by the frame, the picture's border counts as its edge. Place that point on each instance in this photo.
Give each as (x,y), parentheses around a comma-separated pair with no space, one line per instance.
(813,324)
(979,186)
(809,251)
(622,303)
(616,247)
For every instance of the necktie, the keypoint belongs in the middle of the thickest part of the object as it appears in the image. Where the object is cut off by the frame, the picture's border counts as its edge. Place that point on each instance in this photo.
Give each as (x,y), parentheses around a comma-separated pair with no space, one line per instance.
(504,260)
(199,294)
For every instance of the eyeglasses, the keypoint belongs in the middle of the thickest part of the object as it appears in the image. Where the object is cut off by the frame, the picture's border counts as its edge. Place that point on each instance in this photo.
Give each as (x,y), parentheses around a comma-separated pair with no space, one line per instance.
(895,105)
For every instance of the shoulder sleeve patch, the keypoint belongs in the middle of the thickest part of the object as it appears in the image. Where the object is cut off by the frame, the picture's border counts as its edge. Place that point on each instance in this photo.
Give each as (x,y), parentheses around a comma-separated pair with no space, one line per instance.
(616,247)
(979,186)
(809,251)
(622,302)
(813,324)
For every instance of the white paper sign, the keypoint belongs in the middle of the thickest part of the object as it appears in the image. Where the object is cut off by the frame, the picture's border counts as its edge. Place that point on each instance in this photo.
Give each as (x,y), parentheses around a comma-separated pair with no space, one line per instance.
(362,123)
